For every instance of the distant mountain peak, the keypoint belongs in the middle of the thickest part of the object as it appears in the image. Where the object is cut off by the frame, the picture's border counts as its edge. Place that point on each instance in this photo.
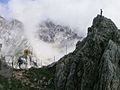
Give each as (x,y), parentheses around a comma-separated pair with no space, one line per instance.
(50,32)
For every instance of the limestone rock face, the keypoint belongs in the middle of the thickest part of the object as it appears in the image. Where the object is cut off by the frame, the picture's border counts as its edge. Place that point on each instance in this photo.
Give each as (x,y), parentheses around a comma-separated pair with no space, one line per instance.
(95,64)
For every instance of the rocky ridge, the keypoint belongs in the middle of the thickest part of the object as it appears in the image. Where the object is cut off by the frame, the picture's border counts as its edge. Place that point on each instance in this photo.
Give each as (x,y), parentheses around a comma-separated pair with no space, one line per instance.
(94,65)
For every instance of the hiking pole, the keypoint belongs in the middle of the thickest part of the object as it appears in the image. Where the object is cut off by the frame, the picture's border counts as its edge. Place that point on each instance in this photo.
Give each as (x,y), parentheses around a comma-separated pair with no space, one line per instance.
(12,61)
(54,58)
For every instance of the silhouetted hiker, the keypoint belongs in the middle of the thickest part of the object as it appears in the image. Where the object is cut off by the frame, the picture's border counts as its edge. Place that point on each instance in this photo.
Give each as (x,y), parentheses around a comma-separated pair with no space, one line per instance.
(101,11)
(26,58)
(23,59)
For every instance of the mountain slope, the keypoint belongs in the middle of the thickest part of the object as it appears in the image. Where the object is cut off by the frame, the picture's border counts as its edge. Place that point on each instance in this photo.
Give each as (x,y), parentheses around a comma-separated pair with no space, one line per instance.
(12,36)
(15,40)
(94,65)
(57,34)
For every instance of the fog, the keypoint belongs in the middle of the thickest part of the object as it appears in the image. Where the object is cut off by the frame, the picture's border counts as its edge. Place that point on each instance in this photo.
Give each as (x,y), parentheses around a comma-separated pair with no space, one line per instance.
(77,14)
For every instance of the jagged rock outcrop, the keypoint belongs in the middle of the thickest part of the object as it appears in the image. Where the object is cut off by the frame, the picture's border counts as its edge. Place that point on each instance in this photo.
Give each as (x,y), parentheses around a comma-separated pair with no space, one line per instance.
(95,64)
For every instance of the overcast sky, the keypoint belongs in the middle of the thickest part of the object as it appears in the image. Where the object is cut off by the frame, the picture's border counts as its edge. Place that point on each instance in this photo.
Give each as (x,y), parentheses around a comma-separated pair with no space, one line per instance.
(74,13)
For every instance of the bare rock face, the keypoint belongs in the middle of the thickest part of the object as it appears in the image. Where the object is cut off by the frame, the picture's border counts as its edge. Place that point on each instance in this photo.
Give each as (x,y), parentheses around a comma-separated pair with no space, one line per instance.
(95,64)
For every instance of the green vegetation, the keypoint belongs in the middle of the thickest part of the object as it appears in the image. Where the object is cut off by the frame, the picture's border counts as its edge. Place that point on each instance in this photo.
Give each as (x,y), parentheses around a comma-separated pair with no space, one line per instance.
(32,79)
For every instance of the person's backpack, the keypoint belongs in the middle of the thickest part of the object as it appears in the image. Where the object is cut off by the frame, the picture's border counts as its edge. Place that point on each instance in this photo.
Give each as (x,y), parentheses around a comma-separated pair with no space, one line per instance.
(20,60)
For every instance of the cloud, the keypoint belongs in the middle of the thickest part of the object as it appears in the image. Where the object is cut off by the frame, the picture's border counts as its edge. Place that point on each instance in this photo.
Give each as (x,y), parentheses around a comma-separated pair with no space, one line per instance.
(74,13)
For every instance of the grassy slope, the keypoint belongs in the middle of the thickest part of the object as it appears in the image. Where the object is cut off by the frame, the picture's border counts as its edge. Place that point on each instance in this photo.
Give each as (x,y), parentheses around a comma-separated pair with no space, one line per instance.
(32,79)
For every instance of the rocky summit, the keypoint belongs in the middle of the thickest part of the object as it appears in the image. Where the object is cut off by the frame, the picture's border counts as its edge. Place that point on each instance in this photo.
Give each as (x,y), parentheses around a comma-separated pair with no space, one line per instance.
(93,65)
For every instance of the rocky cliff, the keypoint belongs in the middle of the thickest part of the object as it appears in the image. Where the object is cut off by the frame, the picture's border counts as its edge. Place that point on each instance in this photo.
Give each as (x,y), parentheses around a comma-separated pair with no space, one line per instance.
(93,65)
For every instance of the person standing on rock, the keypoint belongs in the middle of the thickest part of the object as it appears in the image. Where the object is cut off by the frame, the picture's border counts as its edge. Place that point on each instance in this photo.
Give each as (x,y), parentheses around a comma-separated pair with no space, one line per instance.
(101,12)
(23,59)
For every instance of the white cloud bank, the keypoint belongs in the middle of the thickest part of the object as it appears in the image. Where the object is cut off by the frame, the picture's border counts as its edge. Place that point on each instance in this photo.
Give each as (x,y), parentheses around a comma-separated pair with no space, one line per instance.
(75,13)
